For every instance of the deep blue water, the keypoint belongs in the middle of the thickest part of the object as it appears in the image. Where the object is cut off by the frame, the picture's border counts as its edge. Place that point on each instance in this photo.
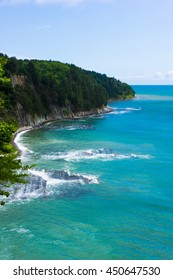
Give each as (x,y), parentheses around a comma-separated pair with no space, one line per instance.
(113,198)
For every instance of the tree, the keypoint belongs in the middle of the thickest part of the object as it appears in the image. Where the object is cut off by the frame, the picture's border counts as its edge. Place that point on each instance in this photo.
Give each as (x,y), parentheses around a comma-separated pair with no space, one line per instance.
(11,168)
(11,66)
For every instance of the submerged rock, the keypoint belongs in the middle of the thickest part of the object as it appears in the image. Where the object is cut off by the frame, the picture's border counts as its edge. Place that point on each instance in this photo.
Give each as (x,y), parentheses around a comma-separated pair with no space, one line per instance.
(47,183)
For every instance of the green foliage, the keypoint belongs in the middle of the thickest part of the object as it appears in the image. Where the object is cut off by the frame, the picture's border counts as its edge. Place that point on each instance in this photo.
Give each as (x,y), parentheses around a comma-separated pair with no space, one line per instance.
(3,78)
(115,88)
(43,85)
(11,65)
(11,168)
(6,132)
(7,99)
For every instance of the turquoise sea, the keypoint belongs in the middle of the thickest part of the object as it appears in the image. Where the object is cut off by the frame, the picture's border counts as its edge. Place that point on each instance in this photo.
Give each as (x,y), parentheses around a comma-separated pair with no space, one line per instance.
(102,187)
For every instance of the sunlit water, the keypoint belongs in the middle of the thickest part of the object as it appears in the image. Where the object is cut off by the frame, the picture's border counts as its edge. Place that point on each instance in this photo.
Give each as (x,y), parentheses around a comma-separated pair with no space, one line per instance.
(101,188)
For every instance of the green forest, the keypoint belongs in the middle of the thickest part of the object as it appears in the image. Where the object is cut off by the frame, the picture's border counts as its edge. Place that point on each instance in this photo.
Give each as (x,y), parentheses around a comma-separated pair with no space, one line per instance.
(35,87)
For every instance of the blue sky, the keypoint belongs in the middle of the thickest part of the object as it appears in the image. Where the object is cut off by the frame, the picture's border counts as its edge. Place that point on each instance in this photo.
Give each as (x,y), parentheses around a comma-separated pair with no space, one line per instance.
(131,40)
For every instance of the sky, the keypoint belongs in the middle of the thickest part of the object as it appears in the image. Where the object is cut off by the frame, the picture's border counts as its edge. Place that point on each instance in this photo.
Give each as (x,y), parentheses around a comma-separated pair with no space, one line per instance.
(131,40)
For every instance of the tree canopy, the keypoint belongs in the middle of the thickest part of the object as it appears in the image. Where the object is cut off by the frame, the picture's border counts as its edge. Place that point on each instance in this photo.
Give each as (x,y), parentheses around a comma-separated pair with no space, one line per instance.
(11,168)
(39,85)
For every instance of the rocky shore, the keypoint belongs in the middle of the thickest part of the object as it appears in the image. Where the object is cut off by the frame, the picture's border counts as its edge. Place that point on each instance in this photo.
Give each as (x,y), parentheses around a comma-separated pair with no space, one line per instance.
(36,122)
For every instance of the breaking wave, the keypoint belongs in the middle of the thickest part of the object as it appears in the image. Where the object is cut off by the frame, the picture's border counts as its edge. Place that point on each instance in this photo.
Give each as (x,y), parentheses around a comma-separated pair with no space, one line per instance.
(79,127)
(62,183)
(19,143)
(100,154)
(44,183)
(100,116)
(22,231)
(71,127)
(55,182)
(120,111)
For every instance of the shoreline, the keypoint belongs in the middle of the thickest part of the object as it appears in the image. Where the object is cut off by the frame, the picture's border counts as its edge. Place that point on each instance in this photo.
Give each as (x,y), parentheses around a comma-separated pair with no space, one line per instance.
(17,134)
(79,115)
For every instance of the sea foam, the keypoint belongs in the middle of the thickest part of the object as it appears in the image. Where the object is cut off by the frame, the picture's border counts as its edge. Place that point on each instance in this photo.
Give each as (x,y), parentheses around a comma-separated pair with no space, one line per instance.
(44,183)
(18,141)
(100,154)
(20,145)
(121,111)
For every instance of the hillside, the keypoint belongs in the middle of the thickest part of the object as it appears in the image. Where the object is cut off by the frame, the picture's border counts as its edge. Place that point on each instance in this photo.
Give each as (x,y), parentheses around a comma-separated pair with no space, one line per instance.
(33,91)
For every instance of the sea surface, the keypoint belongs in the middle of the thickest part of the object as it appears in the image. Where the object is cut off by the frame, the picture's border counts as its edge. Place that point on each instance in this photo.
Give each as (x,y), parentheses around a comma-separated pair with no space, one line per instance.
(102,187)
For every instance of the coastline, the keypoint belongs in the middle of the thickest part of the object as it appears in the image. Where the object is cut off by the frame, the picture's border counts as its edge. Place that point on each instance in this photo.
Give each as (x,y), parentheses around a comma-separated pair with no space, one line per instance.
(21,130)
(41,121)
(17,134)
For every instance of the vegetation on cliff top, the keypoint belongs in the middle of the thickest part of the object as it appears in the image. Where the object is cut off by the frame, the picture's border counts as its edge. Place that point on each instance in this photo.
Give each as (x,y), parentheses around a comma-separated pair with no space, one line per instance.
(36,86)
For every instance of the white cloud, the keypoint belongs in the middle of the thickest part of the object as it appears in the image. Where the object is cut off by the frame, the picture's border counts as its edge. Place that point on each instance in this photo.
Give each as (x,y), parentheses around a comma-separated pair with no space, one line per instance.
(169,74)
(162,75)
(158,75)
(156,78)
(134,77)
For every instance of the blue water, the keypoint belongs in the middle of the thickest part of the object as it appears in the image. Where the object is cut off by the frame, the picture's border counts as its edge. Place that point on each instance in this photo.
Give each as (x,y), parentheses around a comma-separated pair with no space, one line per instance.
(118,205)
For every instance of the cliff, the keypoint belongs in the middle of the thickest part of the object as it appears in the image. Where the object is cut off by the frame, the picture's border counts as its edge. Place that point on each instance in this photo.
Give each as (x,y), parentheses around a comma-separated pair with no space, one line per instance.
(57,113)
(37,91)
